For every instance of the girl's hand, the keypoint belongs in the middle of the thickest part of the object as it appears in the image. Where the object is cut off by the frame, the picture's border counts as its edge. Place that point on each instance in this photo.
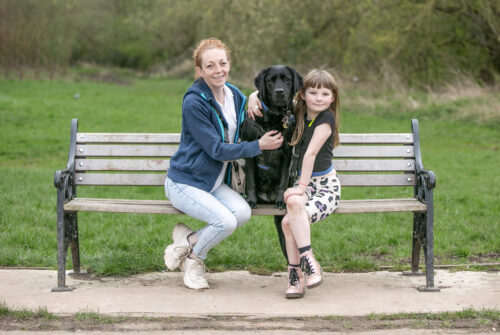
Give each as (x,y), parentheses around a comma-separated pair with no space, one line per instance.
(293,191)
(254,106)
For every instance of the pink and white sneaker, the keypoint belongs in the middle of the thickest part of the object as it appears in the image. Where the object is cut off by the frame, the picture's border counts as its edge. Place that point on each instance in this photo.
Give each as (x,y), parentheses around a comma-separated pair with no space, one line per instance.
(296,283)
(312,269)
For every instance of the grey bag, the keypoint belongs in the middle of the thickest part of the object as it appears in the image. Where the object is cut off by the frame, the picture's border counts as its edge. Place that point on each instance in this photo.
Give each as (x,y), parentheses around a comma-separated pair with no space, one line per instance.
(238,180)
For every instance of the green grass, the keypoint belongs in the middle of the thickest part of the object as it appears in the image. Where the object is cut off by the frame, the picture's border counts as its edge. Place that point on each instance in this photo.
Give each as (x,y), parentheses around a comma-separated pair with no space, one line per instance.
(35,117)
(86,319)
(467,313)
(23,314)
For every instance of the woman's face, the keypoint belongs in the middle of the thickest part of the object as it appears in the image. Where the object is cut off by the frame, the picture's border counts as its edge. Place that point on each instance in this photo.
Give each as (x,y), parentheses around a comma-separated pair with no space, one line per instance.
(214,68)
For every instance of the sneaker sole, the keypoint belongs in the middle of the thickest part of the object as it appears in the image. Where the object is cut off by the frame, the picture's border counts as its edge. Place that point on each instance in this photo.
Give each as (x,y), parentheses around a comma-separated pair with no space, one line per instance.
(193,286)
(293,295)
(169,261)
(315,284)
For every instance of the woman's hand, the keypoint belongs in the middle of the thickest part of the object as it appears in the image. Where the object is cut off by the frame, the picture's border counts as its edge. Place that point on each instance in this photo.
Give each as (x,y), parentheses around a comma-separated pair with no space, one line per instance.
(254,106)
(271,140)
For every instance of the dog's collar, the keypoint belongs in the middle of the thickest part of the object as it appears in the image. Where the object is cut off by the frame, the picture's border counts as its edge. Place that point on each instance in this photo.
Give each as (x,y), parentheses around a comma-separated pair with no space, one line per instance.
(264,107)
(263,167)
(287,120)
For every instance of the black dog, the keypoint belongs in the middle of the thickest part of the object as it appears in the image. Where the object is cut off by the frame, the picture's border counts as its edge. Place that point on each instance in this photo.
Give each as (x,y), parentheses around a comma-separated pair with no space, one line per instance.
(267,174)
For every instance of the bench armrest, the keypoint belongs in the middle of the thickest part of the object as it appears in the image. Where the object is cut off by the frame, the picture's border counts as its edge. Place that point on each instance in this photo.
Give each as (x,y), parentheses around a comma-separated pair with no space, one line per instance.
(429,177)
(61,177)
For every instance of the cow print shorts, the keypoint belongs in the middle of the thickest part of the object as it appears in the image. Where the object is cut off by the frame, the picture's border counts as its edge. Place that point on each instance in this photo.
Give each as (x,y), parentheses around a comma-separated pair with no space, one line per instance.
(323,193)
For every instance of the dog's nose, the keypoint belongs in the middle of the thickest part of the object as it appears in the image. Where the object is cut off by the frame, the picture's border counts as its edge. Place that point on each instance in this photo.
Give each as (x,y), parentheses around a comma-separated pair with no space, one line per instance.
(279,91)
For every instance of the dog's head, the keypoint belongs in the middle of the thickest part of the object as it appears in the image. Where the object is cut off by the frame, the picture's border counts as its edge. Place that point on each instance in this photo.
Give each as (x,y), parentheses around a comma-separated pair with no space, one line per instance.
(277,86)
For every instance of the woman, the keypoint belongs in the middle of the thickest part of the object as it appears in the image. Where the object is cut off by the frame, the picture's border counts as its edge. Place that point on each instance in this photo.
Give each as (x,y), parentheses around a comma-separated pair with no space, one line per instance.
(212,111)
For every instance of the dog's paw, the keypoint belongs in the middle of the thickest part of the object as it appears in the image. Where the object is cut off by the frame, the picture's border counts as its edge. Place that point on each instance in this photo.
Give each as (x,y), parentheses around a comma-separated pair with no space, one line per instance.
(252,200)
(280,205)
(252,204)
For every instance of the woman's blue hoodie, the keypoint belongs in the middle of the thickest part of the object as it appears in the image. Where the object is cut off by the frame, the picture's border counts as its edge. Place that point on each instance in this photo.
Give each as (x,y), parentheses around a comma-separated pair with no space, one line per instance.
(202,149)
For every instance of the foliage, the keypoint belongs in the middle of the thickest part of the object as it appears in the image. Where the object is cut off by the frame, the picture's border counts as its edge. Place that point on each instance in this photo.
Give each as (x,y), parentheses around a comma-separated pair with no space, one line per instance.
(420,43)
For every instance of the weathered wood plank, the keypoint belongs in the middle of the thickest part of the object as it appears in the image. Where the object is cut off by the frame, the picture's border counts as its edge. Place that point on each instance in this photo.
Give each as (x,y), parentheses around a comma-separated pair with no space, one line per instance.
(138,138)
(405,138)
(115,150)
(165,207)
(173,138)
(131,179)
(377,179)
(149,165)
(158,150)
(368,151)
(374,165)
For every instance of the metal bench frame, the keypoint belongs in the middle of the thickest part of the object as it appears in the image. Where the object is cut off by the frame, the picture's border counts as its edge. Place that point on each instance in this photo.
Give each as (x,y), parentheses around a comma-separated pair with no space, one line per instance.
(127,145)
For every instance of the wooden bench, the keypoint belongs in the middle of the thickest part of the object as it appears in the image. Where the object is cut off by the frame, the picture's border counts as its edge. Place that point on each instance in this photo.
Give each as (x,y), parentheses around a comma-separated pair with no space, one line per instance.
(132,159)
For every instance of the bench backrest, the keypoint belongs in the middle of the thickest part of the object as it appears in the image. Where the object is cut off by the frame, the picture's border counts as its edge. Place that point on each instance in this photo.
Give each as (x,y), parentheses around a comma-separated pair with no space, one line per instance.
(136,159)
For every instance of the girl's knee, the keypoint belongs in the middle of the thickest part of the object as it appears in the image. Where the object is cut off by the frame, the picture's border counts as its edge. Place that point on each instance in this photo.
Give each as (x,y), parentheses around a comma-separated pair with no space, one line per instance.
(295,202)
(285,225)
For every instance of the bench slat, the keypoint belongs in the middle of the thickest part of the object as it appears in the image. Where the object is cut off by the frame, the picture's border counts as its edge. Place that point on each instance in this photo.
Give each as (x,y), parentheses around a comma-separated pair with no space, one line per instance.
(342,151)
(150,165)
(173,138)
(145,138)
(362,151)
(404,138)
(165,207)
(131,179)
(374,165)
(122,164)
(115,150)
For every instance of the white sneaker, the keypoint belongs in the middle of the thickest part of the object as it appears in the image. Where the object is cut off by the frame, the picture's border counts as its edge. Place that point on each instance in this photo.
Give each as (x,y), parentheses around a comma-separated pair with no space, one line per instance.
(194,274)
(177,251)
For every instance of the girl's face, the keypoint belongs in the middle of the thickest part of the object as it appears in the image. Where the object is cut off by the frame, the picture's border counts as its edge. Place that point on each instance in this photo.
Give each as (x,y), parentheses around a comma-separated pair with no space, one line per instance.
(214,68)
(318,99)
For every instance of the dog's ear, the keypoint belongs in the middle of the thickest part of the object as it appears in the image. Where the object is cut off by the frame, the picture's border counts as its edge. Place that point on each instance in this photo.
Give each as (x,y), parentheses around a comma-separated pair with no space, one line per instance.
(297,80)
(260,83)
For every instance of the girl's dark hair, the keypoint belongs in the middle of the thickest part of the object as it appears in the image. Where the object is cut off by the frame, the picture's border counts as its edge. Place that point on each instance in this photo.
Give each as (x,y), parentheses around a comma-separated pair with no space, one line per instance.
(316,79)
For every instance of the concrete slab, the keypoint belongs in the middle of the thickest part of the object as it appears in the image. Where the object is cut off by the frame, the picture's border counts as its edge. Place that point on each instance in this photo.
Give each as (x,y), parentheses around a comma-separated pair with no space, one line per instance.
(242,293)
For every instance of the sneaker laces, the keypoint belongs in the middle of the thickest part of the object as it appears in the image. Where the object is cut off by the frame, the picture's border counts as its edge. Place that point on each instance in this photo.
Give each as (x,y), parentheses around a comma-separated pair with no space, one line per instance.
(293,277)
(200,268)
(305,264)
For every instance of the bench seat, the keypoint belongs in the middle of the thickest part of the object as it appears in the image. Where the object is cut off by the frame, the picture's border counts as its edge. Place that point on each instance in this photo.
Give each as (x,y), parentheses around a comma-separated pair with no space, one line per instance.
(165,207)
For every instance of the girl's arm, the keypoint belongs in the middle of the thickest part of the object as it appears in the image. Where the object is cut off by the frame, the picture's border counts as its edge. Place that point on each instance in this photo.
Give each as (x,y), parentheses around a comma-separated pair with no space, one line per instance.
(254,101)
(320,136)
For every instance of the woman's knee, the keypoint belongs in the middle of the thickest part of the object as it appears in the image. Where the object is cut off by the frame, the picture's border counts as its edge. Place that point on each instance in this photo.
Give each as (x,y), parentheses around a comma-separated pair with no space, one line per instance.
(228,225)
(243,215)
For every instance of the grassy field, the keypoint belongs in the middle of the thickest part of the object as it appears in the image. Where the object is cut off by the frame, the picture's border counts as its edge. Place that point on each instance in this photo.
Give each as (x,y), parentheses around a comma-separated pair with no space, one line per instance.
(460,139)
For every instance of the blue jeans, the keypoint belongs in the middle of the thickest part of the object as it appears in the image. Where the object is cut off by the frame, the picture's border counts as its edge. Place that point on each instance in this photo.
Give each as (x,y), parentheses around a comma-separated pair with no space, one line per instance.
(223,210)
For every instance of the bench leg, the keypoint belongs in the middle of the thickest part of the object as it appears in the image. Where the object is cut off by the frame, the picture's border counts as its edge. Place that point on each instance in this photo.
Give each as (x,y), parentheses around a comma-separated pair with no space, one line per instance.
(74,242)
(429,246)
(63,219)
(418,237)
(281,236)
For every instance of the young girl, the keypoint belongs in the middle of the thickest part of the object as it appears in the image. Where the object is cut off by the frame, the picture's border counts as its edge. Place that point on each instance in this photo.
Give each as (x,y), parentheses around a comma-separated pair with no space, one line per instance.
(316,192)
